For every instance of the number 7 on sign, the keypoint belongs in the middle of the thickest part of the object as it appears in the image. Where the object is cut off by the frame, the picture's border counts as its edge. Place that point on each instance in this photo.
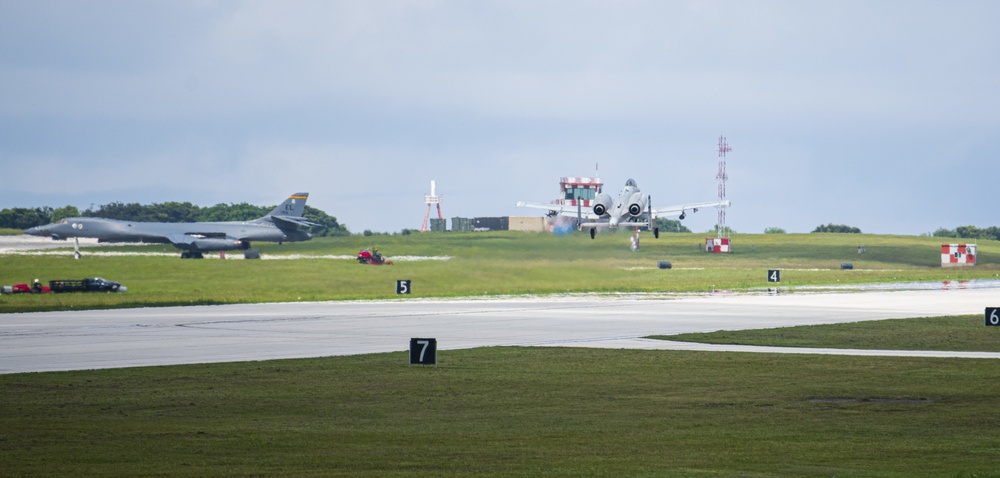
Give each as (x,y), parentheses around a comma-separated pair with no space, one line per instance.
(423,349)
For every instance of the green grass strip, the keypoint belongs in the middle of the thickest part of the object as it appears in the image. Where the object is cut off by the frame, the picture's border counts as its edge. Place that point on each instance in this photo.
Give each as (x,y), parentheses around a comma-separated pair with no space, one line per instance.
(511,412)
(486,264)
(965,333)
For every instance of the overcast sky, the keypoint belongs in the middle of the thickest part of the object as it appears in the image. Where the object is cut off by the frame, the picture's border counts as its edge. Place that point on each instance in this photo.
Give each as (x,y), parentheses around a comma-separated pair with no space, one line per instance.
(880,115)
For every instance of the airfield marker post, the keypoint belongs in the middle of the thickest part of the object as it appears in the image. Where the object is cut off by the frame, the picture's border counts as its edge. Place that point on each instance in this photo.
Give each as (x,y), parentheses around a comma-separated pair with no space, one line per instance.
(423,351)
(773,275)
(992,318)
(403,287)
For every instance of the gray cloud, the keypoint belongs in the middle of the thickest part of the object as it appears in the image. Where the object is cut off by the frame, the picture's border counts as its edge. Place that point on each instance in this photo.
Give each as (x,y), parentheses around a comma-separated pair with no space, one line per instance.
(876,115)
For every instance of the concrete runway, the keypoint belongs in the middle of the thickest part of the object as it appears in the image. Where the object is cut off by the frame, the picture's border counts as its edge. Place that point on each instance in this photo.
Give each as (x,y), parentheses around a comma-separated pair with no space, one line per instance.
(50,341)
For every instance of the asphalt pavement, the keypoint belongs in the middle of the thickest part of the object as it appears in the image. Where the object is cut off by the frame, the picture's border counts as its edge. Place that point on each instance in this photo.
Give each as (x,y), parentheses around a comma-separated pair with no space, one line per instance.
(74,340)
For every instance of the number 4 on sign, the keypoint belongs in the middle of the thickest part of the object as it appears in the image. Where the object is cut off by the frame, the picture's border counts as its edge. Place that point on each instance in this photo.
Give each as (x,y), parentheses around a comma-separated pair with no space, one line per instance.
(993,316)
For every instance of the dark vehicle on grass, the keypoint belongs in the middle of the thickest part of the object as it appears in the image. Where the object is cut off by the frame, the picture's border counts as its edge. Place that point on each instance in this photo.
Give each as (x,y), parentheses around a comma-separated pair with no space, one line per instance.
(90,284)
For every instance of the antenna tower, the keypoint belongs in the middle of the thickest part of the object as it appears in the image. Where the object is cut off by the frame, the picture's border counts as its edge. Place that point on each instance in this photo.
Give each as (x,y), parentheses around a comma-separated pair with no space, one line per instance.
(722,177)
(431,199)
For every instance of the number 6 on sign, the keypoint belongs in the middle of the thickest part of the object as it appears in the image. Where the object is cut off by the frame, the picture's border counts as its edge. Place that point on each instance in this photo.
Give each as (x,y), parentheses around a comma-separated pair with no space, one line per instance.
(993,316)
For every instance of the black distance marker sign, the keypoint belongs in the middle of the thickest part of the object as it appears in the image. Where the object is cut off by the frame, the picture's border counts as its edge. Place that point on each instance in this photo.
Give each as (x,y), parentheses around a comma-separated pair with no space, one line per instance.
(423,352)
(403,286)
(992,317)
(774,275)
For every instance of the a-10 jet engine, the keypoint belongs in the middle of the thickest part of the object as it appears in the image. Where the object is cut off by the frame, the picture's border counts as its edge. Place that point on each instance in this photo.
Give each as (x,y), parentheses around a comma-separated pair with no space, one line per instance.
(636,204)
(602,203)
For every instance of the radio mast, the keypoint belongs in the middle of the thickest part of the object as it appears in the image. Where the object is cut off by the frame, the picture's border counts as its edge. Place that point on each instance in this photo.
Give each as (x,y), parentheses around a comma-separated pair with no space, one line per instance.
(722,177)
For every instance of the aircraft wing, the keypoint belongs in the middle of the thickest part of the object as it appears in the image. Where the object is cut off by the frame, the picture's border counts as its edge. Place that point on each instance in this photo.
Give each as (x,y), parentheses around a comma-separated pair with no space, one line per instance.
(292,221)
(682,208)
(560,209)
(180,238)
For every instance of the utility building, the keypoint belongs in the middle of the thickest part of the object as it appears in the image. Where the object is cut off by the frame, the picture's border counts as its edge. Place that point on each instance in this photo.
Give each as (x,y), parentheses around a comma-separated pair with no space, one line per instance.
(957,255)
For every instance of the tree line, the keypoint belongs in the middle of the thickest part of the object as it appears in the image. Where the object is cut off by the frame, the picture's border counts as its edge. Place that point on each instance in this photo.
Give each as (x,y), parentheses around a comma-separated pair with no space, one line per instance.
(969,232)
(963,232)
(838,228)
(24,218)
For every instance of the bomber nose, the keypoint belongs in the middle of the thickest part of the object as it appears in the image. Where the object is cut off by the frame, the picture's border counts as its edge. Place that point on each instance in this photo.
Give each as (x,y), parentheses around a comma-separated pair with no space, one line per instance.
(37,231)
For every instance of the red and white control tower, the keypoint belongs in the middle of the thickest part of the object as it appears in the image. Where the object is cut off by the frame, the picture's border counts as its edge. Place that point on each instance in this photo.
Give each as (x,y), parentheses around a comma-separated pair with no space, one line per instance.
(578,191)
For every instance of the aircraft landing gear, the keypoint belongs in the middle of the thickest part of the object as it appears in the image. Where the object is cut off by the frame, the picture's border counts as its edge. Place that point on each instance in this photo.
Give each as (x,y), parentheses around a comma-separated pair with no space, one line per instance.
(593,232)
(656,232)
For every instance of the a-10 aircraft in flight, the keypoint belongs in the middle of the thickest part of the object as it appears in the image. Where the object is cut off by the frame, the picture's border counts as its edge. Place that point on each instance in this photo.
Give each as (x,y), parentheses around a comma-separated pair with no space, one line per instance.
(194,238)
(630,208)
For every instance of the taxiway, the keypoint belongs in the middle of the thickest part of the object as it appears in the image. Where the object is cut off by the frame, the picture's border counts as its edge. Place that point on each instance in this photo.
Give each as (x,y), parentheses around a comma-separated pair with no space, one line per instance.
(51,341)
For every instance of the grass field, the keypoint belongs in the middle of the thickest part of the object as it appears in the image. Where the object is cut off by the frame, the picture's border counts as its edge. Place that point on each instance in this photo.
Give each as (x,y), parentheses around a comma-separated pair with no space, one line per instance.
(511,412)
(520,411)
(488,264)
(962,333)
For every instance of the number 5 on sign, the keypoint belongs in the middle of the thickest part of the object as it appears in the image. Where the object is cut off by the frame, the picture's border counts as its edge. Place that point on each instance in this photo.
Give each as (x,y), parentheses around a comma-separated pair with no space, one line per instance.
(993,316)
(403,286)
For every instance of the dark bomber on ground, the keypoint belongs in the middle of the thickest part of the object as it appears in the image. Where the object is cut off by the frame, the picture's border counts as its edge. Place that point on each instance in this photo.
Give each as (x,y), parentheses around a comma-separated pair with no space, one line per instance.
(280,225)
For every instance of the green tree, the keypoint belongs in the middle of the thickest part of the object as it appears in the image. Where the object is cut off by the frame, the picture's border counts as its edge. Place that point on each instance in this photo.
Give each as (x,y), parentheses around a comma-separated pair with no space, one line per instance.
(172,212)
(837,228)
(969,232)
(118,210)
(715,230)
(328,225)
(774,230)
(992,232)
(233,212)
(61,213)
(670,225)
(24,218)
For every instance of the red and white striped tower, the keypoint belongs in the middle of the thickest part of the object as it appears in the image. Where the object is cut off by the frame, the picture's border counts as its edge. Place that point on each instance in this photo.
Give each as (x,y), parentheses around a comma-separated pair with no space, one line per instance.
(431,199)
(722,177)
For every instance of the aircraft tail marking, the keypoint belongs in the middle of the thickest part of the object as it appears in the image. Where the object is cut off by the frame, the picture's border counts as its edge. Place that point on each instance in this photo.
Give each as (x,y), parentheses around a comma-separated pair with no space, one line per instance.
(294,206)
(290,212)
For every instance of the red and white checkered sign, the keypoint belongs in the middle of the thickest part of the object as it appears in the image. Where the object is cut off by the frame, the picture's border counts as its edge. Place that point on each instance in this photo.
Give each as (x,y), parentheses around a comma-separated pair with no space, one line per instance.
(716,245)
(958,254)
